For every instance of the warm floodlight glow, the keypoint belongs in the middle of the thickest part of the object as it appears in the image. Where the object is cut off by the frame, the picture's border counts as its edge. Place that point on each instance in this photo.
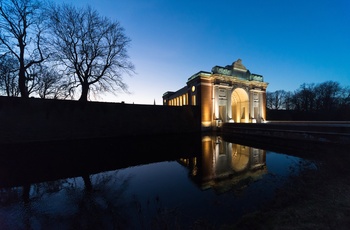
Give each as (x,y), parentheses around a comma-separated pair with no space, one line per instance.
(226,94)
(206,123)
(206,138)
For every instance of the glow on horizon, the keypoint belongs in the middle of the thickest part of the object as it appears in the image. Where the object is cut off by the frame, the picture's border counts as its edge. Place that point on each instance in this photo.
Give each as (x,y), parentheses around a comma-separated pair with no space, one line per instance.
(288,43)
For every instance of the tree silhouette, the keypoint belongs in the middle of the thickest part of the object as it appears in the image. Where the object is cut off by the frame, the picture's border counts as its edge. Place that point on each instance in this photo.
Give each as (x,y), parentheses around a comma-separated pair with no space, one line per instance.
(91,49)
(8,76)
(49,83)
(21,36)
(276,100)
(327,97)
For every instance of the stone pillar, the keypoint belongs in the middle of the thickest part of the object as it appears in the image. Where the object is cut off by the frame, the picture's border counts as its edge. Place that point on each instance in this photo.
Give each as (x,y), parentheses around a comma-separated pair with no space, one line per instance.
(216,102)
(206,104)
(229,104)
(262,106)
(251,106)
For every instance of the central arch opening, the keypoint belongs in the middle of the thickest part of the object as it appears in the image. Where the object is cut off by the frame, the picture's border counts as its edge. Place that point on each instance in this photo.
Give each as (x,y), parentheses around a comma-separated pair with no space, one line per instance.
(240,105)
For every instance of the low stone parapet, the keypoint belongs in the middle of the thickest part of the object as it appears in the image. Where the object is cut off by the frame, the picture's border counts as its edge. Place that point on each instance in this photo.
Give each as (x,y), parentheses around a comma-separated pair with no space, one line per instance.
(325,132)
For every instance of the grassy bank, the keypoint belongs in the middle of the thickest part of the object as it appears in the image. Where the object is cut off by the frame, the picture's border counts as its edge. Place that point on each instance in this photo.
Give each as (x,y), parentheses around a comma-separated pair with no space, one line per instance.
(316,199)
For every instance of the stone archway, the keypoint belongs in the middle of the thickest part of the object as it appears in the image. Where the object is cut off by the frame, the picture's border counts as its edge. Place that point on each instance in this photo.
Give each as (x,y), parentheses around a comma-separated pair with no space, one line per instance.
(240,105)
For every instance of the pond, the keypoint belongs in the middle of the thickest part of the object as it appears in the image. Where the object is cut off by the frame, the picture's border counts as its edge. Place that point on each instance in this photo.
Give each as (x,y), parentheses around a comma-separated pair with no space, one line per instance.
(152,183)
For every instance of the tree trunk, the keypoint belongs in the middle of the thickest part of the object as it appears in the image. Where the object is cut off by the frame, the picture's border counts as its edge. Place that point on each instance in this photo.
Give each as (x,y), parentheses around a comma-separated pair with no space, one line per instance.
(84,92)
(22,83)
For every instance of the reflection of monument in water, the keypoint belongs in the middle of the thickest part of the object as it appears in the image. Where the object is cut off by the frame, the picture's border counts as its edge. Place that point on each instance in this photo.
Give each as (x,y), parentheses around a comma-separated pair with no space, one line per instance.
(225,166)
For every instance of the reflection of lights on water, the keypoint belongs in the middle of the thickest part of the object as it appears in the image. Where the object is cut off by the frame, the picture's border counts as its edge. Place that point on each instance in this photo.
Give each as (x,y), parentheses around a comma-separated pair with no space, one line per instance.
(235,154)
(194,171)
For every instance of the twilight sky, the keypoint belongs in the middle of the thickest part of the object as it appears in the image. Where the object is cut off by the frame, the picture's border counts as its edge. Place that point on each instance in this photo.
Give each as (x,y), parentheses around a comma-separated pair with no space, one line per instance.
(288,42)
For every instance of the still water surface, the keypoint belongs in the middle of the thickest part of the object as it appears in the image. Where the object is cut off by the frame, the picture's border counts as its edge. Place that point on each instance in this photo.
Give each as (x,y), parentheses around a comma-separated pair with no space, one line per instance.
(212,187)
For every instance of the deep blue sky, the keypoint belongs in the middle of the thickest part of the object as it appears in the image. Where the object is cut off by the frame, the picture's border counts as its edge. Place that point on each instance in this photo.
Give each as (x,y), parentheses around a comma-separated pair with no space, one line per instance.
(288,42)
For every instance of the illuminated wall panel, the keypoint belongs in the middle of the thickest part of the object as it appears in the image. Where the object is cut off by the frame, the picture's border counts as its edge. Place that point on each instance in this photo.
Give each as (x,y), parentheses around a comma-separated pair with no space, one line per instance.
(206,103)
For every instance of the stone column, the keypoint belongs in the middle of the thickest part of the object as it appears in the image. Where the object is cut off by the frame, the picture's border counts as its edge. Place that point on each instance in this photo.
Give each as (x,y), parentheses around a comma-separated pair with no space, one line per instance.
(229,106)
(251,105)
(216,102)
(262,106)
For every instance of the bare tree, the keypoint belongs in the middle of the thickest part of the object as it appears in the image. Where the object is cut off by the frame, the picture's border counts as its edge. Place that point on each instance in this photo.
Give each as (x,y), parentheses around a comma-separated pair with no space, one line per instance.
(91,49)
(345,98)
(288,101)
(9,76)
(21,35)
(304,97)
(269,99)
(47,83)
(328,95)
(276,100)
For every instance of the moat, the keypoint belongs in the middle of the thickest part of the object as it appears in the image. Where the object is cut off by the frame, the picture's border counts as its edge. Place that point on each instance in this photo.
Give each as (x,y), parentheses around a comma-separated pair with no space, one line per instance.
(153,183)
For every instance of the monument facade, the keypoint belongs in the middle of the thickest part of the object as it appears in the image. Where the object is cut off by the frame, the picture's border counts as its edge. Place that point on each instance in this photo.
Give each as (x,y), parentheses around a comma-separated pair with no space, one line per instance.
(226,94)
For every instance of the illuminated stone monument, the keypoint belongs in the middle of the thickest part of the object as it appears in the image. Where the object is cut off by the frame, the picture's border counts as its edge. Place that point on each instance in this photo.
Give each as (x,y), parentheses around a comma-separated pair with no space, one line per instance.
(226,94)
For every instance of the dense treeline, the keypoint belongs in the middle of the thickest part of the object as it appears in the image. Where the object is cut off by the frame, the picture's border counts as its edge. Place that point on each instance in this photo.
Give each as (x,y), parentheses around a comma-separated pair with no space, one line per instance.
(326,96)
(58,51)
(323,101)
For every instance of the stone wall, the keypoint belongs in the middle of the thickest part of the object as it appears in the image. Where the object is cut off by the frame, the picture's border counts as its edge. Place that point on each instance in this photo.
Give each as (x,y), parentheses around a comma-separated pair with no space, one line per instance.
(25,120)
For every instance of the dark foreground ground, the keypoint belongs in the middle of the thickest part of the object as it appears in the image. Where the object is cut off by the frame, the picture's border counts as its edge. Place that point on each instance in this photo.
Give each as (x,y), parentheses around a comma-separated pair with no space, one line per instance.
(316,199)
